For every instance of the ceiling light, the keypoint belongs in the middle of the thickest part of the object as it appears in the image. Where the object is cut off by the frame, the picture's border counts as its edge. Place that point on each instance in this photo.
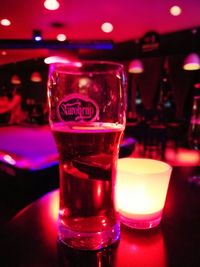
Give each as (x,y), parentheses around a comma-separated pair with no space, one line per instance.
(107,27)
(61,37)
(192,62)
(135,66)
(4,53)
(175,10)
(51,4)
(5,22)
(37,35)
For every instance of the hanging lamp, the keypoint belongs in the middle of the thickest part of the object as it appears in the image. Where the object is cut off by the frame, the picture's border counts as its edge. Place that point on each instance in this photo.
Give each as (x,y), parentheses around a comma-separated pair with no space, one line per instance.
(192,62)
(36,77)
(15,80)
(136,65)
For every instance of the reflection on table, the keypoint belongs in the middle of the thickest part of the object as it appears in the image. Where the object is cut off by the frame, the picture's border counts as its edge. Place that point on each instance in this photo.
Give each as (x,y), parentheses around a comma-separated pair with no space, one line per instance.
(30,238)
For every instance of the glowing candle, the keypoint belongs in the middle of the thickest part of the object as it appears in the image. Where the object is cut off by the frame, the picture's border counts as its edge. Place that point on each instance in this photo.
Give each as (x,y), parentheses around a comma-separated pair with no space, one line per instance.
(141,191)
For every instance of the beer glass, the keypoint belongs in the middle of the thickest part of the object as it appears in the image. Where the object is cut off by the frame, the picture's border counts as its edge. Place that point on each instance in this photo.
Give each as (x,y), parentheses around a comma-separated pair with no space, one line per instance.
(87,107)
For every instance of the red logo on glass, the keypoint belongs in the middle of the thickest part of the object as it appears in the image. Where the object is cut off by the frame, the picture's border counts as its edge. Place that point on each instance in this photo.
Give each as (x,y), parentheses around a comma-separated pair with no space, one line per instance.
(78,108)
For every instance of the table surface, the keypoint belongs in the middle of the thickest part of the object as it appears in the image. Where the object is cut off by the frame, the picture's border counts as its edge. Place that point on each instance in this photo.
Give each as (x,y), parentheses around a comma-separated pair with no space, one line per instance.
(30,148)
(30,238)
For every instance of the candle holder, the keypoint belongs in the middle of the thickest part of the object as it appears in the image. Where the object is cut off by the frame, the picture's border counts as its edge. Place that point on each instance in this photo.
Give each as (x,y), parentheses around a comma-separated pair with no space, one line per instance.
(141,191)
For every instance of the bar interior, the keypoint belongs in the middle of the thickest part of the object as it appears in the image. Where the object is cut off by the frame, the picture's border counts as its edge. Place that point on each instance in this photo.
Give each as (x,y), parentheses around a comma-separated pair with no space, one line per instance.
(158,44)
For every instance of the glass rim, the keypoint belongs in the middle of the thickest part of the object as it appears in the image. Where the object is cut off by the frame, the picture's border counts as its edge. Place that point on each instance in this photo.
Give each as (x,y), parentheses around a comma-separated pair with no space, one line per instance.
(74,67)
(166,166)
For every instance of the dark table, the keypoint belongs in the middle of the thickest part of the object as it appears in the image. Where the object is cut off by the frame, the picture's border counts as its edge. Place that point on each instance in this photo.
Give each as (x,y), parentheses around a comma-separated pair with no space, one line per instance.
(30,238)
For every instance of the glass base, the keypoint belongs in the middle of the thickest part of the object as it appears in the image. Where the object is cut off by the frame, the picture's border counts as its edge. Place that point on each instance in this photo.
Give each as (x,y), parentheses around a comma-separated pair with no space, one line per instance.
(142,221)
(89,241)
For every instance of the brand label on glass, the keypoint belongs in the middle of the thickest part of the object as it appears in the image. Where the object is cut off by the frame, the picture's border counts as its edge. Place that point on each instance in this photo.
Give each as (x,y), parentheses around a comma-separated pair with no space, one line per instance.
(77,108)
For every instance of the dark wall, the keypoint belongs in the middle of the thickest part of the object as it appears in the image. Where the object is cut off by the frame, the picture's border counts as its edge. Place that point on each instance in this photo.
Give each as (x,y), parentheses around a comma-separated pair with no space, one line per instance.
(24,69)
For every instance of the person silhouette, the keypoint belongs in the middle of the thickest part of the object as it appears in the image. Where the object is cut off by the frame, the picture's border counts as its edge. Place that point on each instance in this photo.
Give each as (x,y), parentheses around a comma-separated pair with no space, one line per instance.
(13,107)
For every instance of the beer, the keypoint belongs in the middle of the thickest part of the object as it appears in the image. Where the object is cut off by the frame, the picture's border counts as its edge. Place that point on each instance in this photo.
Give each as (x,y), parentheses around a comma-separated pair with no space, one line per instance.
(88,155)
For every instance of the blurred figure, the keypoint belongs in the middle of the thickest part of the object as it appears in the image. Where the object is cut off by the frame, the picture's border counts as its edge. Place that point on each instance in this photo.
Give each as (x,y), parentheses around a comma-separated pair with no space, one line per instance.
(4,99)
(13,107)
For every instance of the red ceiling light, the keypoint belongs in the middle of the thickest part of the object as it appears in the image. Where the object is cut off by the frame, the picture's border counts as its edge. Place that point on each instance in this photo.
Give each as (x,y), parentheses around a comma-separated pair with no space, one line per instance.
(51,4)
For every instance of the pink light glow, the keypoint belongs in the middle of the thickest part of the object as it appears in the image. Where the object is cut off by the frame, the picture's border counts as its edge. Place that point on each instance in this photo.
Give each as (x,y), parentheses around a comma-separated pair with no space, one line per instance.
(142,250)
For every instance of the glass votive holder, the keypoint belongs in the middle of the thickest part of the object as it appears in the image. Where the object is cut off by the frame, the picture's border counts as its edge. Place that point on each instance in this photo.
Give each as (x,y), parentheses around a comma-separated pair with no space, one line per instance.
(141,190)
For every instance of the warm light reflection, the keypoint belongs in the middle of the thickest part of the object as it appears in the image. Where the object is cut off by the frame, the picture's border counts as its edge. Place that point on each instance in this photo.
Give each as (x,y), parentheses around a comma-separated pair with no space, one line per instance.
(49,205)
(53,207)
(142,249)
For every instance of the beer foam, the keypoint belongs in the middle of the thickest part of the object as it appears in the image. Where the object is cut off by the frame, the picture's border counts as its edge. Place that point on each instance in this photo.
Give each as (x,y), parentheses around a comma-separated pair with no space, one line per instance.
(87,127)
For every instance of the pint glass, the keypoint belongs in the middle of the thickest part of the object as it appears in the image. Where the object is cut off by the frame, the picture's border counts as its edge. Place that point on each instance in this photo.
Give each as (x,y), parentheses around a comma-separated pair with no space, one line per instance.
(87,102)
